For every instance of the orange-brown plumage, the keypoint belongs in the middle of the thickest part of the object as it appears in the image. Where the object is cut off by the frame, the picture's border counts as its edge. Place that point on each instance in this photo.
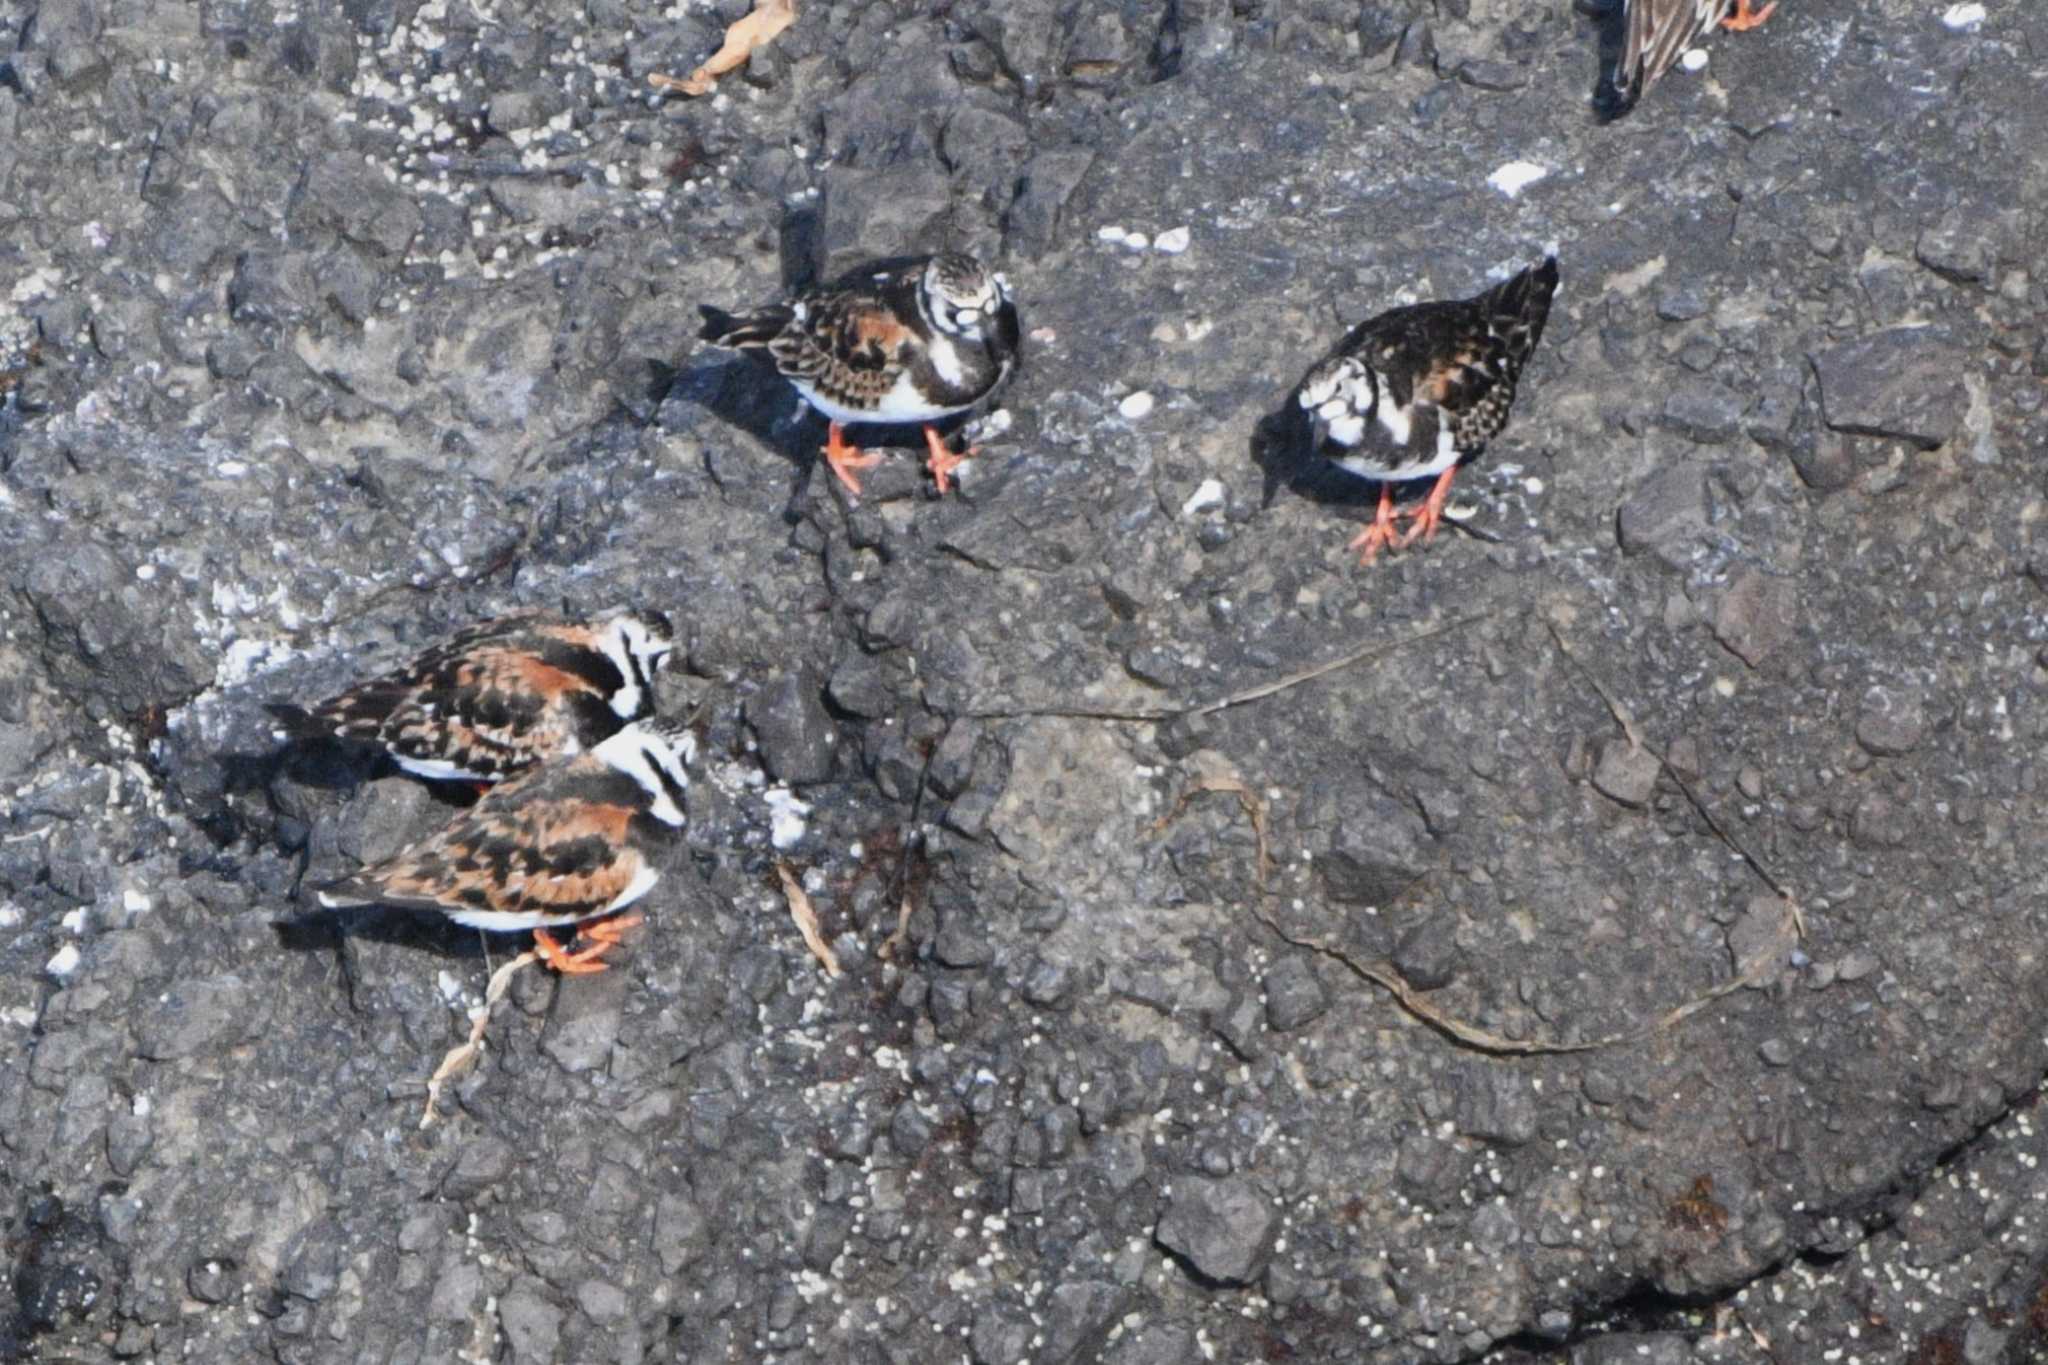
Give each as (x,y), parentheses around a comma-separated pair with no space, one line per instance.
(570,841)
(501,696)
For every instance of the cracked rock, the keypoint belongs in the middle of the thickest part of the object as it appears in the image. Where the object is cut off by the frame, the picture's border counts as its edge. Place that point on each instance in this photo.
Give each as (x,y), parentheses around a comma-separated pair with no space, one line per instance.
(1905,383)
(1222,1228)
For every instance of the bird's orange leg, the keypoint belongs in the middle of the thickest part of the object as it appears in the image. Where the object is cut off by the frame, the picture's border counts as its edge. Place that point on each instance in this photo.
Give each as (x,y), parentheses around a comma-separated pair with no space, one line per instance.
(944,461)
(583,961)
(1431,514)
(1745,18)
(845,458)
(1379,533)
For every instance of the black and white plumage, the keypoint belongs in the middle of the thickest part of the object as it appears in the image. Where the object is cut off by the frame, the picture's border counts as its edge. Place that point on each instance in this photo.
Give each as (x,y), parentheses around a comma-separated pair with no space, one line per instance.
(1416,392)
(575,839)
(893,343)
(1656,33)
(501,696)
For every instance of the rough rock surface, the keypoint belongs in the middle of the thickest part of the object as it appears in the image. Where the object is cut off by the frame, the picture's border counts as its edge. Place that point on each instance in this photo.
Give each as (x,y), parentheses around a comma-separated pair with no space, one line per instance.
(328,327)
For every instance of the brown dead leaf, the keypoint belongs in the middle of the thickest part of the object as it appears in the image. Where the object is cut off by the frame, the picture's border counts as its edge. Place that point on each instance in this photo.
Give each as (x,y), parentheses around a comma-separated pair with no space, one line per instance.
(757,29)
(806,916)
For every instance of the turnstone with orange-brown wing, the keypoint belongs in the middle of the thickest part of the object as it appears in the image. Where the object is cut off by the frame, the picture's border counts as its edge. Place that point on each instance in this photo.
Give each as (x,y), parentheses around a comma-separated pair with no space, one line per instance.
(1416,392)
(893,343)
(501,696)
(573,841)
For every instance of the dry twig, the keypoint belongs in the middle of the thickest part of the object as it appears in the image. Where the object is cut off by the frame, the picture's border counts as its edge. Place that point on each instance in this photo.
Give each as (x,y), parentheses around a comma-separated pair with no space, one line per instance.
(1372,649)
(1759,967)
(1721,832)
(806,916)
(757,29)
(460,1056)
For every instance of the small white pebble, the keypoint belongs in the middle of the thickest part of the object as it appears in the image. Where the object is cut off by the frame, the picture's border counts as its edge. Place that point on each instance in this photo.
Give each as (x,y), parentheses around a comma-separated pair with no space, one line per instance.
(74,920)
(1533,486)
(134,902)
(1173,241)
(1694,61)
(1515,177)
(10,916)
(1137,241)
(1963,16)
(1136,407)
(1209,495)
(1110,233)
(63,962)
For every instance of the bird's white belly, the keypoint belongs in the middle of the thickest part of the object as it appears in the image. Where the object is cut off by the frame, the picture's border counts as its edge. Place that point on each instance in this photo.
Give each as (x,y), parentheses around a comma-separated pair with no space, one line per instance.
(1401,463)
(901,403)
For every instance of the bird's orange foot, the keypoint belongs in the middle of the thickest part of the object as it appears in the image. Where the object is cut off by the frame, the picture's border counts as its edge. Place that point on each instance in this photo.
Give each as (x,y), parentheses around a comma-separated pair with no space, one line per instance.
(944,461)
(1430,515)
(583,961)
(1744,18)
(845,458)
(1379,534)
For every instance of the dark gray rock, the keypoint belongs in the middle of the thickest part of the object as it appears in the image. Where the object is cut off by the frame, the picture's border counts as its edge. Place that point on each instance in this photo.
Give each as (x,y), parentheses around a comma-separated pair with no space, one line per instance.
(1155,1344)
(584,1024)
(1001,1336)
(343,195)
(860,686)
(1627,773)
(1879,822)
(1758,615)
(796,734)
(1495,1105)
(483,1162)
(1482,74)
(1223,1229)
(1823,461)
(1427,955)
(1891,720)
(1961,246)
(1379,851)
(1046,185)
(532,1324)
(1708,414)
(1293,995)
(1667,514)
(1078,1318)
(1905,383)
(984,149)
(196,1018)
(1380,23)
(871,214)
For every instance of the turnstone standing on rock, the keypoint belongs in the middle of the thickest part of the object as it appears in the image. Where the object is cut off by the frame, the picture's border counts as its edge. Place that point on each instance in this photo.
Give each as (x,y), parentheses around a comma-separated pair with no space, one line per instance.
(1416,392)
(893,342)
(573,840)
(1656,33)
(501,696)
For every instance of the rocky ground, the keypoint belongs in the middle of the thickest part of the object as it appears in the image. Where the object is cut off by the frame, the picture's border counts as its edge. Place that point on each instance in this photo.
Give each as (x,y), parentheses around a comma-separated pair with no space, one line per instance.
(329,327)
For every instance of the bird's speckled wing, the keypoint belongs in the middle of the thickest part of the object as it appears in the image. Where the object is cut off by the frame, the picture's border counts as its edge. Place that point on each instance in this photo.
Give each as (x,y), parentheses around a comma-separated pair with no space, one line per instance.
(539,851)
(1658,33)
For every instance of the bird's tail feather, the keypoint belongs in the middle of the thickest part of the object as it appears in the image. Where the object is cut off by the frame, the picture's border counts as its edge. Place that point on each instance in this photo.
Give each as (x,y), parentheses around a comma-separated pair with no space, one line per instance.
(1521,306)
(742,331)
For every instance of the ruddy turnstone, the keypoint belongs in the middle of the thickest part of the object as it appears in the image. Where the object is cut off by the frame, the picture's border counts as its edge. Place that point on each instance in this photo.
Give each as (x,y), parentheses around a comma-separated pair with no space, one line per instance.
(1417,391)
(1656,33)
(893,342)
(573,840)
(501,696)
